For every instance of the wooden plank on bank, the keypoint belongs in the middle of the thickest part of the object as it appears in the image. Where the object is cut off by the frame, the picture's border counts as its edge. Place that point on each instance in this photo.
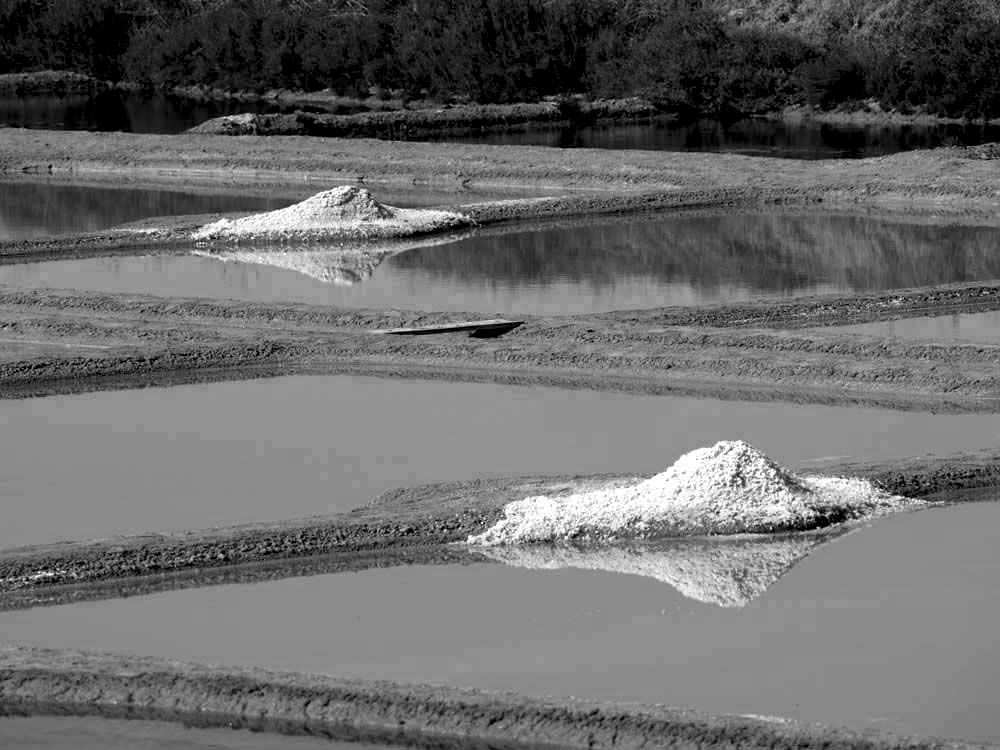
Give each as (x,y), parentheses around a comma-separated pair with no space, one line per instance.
(476,328)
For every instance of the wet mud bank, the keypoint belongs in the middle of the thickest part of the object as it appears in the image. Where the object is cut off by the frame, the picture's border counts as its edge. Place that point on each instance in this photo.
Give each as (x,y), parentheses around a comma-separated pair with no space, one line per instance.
(36,681)
(417,525)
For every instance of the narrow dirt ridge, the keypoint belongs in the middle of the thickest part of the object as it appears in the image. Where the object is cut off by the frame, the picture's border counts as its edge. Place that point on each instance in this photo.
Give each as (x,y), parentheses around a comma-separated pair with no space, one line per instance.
(78,683)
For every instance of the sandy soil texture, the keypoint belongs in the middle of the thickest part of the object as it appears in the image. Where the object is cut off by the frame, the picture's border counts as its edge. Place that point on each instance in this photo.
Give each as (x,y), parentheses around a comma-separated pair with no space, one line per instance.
(78,683)
(743,351)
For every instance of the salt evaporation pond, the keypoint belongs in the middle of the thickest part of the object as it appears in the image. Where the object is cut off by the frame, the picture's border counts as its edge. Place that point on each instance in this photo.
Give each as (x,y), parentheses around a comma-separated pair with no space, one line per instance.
(889,627)
(196,456)
(968,328)
(88,733)
(612,264)
(29,210)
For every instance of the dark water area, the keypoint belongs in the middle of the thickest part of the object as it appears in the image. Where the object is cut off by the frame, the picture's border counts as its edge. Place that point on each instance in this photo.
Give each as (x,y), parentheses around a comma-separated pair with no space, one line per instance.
(30,210)
(157,113)
(573,268)
(753,137)
(118,111)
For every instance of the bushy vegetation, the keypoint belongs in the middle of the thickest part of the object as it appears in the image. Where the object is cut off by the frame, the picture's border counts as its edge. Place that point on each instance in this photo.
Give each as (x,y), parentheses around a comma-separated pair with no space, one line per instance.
(938,55)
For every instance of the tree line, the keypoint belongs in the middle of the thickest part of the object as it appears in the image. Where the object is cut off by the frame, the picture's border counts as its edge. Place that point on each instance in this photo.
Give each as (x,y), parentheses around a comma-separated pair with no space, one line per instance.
(940,56)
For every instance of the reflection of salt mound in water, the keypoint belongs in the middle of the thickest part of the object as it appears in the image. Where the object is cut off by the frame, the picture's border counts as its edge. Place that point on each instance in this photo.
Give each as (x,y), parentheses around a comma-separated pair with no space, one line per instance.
(342,265)
(730,488)
(348,212)
(730,572)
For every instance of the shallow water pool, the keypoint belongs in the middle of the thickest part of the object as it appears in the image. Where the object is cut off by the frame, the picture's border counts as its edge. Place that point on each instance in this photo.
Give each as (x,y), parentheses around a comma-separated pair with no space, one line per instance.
(611,264)
(30,210)
(891,626)
(971,328)
(189,457)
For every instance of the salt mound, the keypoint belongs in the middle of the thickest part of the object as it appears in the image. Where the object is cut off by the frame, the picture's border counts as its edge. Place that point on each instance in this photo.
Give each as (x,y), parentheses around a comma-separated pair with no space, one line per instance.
(348,212)
(729,488)
(729,573)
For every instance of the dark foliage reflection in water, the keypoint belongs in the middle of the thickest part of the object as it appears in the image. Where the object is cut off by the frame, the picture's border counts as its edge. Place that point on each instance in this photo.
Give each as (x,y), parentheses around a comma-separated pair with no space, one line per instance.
(634,263)
(157,113)
(29,210)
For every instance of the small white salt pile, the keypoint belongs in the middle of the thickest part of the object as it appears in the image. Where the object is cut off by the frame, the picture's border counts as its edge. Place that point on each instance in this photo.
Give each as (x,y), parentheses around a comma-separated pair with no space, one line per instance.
(729,488)
(728,573)
(348,212)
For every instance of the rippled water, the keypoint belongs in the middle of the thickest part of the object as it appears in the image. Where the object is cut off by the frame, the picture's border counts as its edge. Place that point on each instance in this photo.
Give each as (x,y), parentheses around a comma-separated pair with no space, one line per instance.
(190,457)
(891,627)
(641,262)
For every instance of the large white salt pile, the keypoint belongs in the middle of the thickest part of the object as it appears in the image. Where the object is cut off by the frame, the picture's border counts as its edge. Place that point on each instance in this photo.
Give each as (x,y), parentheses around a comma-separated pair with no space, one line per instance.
(348,212)
(729,572)
(729,488)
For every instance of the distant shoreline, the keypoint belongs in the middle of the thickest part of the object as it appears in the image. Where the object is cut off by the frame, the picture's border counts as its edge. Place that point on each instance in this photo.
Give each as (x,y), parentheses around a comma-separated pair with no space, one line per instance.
(374,116)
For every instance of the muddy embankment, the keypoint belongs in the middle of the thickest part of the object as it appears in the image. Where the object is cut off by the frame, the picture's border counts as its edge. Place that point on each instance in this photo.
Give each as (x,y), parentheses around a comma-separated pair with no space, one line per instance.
(408,526)
(951,180)
(747,351)
(77,683)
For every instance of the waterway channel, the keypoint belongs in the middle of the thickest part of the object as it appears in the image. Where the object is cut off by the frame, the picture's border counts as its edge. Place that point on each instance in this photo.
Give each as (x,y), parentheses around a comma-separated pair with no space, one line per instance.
(890,627)
(569,268)
(189,457)
(30,210)
(157,113)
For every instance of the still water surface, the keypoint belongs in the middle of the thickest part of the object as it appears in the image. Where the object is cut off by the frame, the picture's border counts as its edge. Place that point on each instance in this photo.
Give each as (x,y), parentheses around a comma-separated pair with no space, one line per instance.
(891,627)
(641,262)
(29,210)
(113,110)
(72,733)
(970,328)
(190,457)
(150,113)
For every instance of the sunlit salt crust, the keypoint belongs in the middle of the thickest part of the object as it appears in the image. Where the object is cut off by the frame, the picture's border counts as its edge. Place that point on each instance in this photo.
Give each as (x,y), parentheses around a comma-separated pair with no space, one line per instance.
(729,488)
(347,212)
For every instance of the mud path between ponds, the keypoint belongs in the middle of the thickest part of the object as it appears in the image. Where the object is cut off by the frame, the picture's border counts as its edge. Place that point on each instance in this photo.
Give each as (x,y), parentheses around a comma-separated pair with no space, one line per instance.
(707,351)
(402,527)
(36,681)
(951,180)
